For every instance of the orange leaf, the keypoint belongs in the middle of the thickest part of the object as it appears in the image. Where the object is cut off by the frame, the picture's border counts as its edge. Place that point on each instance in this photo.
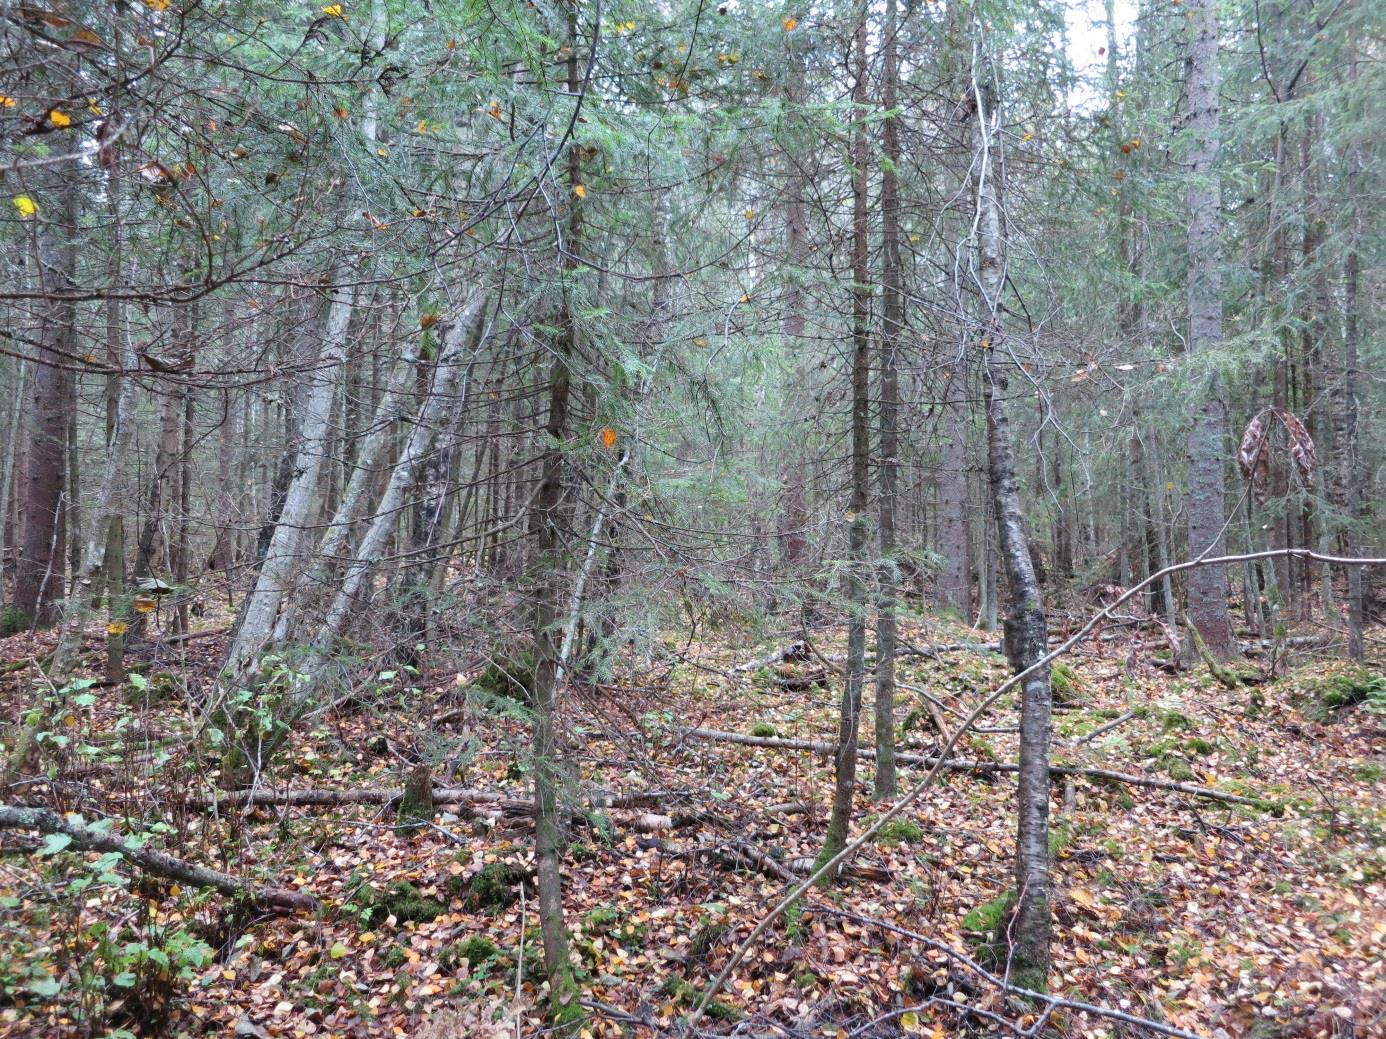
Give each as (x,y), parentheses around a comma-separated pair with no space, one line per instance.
(607,436)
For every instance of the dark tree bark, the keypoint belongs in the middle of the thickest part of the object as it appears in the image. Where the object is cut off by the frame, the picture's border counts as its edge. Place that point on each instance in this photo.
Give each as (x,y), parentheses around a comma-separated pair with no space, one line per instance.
(547,572)
(893,315)
(849,714)
(40,561)
(1207,586)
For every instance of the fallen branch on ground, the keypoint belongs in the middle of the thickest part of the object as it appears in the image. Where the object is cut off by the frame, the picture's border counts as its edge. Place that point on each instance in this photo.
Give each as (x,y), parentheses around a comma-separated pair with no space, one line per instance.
(984,767)
(83,837)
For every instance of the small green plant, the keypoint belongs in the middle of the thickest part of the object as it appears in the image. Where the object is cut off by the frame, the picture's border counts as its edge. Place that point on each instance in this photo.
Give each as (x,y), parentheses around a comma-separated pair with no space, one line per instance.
(492,888)
(763,729)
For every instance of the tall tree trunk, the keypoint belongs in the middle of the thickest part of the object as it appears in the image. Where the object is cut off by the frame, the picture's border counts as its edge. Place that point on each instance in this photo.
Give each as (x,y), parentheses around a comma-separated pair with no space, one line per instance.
(547,572)
(1207,585)
(892,336)
(1026,632)
(40,565)
(1355,476)
(849,714)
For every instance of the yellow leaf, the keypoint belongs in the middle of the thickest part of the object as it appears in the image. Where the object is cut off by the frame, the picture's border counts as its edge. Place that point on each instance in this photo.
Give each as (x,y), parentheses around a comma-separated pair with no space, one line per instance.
(117,628)
(750,214)
(909,1021)
(59,118)
(157,5)
(790,24)
(27,207)
(334,11)
(174,890)
(6,101)
(422,127)
(143,605)
(745,298)
(1028,136)
(607,437)
(580,190)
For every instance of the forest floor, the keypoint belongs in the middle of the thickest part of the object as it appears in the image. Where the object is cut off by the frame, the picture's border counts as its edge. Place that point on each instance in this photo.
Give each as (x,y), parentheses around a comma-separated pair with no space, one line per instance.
(1225,920)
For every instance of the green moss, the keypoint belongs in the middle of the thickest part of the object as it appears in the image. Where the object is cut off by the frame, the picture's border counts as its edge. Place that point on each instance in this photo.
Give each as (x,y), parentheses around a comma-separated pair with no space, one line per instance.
(1200,746)
(1060,837)
(1368,772)
(416,804)
(682,992)
(1179,770)
(13,620)
(899,831)
(708,933)
(1064,682)
(477,950)
(989,918)
(1327,694)
(762,729)
(396,957)
(492,888)
(402,900)
(510,676)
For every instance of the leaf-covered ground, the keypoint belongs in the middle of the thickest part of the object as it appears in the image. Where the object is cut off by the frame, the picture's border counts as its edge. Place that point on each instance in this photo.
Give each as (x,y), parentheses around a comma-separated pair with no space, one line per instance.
(1216,918)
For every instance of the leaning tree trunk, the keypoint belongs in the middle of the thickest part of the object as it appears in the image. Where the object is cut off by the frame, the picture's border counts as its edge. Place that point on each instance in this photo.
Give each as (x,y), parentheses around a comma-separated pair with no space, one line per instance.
(845,765)
(1207,585)
(403,477)
(1026,632)
(281,563)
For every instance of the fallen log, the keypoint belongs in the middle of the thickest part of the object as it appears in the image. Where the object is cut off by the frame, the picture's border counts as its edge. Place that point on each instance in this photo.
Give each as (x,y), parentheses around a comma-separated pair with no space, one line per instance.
(83,837)
(979,767)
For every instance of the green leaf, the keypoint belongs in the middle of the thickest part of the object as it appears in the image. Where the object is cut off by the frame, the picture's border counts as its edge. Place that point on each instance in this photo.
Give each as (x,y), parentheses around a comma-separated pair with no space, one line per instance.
(137,680)
(45,986)
(54,843)
(338,951)
(125,979)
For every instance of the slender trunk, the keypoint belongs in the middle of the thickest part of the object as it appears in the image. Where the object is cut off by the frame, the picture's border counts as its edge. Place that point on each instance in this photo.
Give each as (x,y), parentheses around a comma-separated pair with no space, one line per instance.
(451,367)
(1026,633)
(845,766)
(1356,477)
(546,580)
(1207,585)
(893,314)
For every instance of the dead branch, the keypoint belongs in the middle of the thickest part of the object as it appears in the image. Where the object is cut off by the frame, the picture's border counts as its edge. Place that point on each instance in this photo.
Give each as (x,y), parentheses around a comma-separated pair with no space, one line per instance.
(981,767)
(83,837)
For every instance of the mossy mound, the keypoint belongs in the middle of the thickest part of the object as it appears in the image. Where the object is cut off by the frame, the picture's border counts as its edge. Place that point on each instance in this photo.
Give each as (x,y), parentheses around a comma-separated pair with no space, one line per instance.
(985,926)
(510,676)
(13,620)
(402,900)
(1324,695)
(899,831)
(1065,684)
(680,991)
(762,729)
(493,888)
